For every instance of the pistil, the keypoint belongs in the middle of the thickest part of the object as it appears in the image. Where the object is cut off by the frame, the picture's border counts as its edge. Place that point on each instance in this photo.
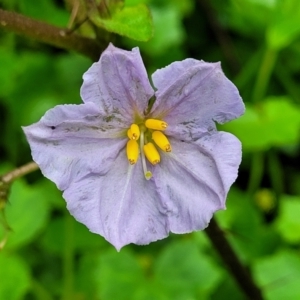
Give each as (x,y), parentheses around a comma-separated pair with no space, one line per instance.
(147,173)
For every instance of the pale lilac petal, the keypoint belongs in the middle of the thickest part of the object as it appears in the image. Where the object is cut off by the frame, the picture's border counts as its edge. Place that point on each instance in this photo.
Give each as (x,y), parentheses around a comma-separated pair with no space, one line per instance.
(118,83)
(193,180)
(194,94)
(123,207)
(72,141)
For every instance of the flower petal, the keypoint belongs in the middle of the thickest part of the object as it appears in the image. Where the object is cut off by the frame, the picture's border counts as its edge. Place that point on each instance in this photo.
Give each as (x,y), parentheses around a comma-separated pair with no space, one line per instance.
(123,207)
(71,141)
(195,93)
(118,83)
(194,179)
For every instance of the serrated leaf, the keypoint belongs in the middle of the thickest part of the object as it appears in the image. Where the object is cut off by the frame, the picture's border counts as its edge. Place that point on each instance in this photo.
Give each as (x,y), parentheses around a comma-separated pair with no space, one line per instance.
(14,277)
(134,22)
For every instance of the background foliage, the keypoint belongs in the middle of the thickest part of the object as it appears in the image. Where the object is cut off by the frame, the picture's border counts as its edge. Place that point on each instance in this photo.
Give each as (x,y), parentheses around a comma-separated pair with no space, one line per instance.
(50,256)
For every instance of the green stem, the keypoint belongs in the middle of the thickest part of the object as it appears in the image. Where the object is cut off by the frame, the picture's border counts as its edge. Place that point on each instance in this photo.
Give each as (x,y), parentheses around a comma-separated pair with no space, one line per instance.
(287,81)
(256,172)
(275,173)
(50,34)
(248,71)
(68,259)
(264,74)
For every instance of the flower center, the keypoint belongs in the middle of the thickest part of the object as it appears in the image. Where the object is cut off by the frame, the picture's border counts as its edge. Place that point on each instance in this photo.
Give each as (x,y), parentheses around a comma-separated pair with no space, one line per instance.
(150,135)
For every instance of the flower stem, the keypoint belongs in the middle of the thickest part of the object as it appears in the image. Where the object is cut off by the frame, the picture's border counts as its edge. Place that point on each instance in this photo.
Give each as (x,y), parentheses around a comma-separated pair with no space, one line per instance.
(256,172)
(50,34)
(230,259)
(264,74)
(68,259)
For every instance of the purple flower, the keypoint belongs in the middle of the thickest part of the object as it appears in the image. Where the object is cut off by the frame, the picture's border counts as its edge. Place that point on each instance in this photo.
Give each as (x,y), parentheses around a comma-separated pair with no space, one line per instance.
(133,169)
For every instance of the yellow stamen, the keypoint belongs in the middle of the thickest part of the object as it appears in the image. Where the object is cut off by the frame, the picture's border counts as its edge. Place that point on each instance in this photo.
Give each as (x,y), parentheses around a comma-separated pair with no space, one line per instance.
(151,153)
(132,150)
(161,141)
(134,132)
(156,124)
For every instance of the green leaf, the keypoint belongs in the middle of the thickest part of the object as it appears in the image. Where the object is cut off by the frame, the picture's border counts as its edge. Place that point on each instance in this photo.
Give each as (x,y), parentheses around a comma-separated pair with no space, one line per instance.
(183,272)
(26,213)
(274,122)
(246,229)
(119,275)
(14,277)
(288,222)
(54,238)
(279,275)
(284,26)
(133,21)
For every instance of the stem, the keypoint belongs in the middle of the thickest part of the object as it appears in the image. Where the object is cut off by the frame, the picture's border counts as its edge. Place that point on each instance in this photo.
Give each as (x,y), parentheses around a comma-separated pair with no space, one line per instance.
(19,172)
(287,81)
(264,74)
(50,34)
(256,172)
(68,262)
(275,173)
(239,272)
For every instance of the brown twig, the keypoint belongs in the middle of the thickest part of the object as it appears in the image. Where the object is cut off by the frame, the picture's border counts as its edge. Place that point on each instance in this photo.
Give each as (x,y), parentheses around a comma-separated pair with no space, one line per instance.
(230,259)
(19,172)
(50,34)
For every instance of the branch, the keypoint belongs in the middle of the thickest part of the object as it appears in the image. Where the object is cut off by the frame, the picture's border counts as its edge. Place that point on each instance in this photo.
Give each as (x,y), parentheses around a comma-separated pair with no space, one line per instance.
(9,177)
(50,34)
(230,259)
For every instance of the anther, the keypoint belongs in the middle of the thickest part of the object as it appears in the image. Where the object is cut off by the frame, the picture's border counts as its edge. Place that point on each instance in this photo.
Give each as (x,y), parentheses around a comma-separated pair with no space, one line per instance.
(161,141)
(156,124)
(132,151)
(134,132)
(151,153)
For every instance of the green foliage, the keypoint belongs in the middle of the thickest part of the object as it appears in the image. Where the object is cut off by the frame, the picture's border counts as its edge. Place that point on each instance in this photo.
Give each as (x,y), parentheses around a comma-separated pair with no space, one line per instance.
(265,125)
(284,25)
(179,272)
(279,275)
(288,222)
(49,255)
(134,22)
(25,219)
(14,277)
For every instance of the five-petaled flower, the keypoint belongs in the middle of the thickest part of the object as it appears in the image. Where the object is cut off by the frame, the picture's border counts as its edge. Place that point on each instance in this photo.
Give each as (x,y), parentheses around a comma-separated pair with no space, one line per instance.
(135,164)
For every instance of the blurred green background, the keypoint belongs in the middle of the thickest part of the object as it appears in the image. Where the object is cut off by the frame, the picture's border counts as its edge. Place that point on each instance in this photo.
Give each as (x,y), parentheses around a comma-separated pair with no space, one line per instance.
(48,255)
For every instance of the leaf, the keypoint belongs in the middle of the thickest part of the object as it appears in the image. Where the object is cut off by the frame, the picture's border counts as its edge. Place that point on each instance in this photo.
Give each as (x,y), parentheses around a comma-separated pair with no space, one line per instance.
(183,272)
(284,26)
(14,277)
(132,21)
(288,222)
(26,213)
(54,239)
(279,275)
(274,122)
(119,275)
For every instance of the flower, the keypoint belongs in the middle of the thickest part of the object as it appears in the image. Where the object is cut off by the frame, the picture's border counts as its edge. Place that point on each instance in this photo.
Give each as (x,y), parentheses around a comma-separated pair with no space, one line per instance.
(133,169)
